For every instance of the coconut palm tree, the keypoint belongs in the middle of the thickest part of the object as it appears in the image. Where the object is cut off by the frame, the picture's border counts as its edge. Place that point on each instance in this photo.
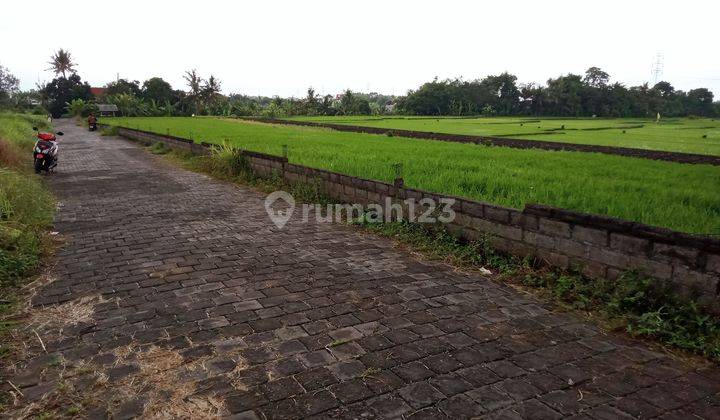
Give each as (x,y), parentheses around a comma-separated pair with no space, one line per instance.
(195,83)
(212,86)
(211,93)
(61,63)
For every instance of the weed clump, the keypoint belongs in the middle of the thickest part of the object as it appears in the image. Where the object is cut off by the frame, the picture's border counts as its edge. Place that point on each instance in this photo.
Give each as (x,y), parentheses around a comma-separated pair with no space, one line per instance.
(643,306)
(109,131)
(228,159)
(158,148)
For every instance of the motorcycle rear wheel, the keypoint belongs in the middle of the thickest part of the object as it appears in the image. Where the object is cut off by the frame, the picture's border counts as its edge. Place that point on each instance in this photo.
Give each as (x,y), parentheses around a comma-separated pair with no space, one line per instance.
(38,165)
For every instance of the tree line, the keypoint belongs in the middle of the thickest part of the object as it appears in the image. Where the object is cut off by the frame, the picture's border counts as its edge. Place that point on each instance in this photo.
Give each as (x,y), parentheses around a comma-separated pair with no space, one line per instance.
(67,94)
(570,95)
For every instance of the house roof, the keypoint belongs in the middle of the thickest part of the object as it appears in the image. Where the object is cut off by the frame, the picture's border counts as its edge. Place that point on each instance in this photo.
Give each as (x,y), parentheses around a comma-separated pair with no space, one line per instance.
(107,107)
(97,91)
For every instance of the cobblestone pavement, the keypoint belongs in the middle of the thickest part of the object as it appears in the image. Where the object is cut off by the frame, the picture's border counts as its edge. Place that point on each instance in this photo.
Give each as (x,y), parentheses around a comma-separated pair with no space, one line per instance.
(316,320)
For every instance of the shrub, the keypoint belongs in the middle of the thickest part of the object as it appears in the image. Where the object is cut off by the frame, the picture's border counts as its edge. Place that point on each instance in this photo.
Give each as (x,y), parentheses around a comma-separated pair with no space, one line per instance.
(81,108)
(39,110)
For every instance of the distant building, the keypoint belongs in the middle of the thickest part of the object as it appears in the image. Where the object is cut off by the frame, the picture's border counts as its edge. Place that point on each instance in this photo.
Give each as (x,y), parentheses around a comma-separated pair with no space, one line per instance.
(97,91)
(107,110)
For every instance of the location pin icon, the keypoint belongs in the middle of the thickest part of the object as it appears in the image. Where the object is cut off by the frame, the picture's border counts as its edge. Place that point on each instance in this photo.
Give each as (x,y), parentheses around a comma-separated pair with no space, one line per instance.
(279,217)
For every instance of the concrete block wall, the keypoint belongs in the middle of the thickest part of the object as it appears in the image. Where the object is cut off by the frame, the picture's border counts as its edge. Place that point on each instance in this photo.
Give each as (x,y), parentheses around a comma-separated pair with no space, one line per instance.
(598,246)
(149,138)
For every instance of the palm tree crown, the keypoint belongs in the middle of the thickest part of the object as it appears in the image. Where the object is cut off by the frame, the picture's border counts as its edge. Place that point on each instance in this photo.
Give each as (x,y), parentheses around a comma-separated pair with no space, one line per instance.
(61,63)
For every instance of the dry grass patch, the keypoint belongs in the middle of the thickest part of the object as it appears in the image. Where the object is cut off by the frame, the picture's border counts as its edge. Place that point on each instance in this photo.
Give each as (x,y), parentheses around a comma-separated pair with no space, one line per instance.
(164,379)
(66,314)
(163,383)
(9,158)
(37,327)
(160,381)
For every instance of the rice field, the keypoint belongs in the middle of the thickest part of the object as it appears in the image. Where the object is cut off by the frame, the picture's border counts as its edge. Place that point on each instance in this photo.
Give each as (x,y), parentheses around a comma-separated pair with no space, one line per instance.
(699,135)
(677,196)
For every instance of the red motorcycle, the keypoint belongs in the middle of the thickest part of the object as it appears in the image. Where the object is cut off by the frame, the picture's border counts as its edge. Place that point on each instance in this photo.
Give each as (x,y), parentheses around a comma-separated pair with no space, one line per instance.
(45,151)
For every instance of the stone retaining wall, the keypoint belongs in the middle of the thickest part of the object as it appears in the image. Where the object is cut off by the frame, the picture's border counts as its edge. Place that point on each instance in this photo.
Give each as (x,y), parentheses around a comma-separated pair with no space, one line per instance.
(172,142)
(599,246)
(509,142)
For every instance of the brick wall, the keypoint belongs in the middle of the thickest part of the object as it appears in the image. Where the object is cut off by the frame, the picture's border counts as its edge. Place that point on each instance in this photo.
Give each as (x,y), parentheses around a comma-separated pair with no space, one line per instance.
(599,246)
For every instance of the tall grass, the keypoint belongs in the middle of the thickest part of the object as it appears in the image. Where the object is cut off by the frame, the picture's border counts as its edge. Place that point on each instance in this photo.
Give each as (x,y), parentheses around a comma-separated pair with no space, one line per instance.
(228,159)
(26,207)
(677,196)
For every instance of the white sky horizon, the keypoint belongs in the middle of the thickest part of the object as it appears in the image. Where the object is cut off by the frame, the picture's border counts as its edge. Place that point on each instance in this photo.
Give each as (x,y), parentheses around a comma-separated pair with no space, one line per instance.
(282,47)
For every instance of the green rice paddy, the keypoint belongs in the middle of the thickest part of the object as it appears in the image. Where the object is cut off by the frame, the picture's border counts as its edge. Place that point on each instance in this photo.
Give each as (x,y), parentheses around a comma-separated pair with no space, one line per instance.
(699,135)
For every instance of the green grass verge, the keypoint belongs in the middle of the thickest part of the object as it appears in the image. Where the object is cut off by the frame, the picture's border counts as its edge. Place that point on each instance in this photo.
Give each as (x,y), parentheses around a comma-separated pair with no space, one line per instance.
(688,135)
(26,210)
(635,304)
(677,196)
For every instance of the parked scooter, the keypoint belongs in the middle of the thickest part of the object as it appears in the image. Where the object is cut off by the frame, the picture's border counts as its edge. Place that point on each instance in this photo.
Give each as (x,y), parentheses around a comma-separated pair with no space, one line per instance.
(45,151)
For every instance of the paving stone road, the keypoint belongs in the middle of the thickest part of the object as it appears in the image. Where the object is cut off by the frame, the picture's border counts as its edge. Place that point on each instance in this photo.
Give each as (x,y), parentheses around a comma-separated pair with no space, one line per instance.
(318,320)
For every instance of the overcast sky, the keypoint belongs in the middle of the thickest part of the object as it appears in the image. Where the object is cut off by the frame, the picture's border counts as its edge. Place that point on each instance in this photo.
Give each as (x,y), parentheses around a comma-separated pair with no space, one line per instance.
(282,47)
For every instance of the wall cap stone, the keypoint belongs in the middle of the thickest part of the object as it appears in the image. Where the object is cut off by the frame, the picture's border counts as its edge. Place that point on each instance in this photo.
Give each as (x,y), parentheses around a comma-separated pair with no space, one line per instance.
(616,225)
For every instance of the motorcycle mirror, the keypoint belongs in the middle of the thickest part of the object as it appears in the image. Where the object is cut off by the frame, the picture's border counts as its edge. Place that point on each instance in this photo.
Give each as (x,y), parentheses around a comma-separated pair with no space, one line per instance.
(59,133)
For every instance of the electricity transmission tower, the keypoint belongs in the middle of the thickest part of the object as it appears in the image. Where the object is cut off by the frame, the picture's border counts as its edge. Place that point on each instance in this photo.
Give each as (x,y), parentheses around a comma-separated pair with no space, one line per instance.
(657,68)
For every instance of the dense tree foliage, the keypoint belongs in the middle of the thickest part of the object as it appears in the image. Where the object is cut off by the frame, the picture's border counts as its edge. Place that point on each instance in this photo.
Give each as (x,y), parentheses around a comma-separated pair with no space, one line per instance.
(8,85)
(61,91)
(353,105)
(570,95)
(120,86)
(157,89)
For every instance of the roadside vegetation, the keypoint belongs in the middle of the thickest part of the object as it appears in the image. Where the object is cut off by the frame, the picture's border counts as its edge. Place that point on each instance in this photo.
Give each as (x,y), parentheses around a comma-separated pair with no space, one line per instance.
(672,195)
(26,210)
(687,135)
(636,305)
